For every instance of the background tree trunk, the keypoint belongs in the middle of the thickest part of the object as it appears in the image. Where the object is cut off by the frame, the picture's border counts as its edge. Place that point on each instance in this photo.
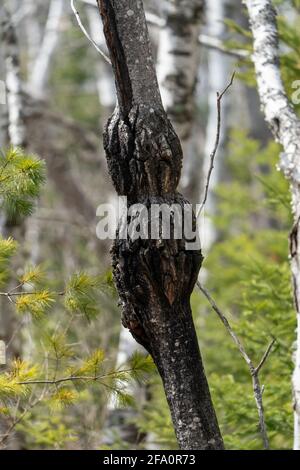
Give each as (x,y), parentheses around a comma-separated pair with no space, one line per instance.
(154,278)
(40,67)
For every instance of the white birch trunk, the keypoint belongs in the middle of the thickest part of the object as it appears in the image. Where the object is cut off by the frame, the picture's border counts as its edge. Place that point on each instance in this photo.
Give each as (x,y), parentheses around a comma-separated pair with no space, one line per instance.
(285,127)
(177,72)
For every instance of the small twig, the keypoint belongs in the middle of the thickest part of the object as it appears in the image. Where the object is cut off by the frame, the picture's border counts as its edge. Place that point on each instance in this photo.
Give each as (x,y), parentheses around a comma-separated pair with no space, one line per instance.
(254,371)
(265,356)
(72,378)
(76,13)
(213,153)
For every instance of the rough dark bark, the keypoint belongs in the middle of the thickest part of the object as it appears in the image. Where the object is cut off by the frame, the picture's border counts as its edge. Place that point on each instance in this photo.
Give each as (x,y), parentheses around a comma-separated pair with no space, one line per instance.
(155,278)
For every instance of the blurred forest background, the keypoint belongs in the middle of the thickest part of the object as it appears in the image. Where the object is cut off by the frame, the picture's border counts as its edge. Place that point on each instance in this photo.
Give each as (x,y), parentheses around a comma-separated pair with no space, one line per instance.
(73,379)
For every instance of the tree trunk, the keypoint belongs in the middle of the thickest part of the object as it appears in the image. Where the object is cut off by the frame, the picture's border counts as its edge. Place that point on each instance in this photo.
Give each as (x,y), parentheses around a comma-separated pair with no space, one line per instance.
(177,71)
(154,278)
(16,134)
(40,67)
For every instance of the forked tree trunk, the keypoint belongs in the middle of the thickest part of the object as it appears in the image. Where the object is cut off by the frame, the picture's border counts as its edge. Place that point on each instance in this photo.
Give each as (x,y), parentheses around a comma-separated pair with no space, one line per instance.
(154,278)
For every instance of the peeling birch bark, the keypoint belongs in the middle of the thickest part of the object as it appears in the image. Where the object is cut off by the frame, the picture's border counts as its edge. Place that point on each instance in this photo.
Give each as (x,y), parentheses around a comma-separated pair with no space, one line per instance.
(154,278)
(285,126)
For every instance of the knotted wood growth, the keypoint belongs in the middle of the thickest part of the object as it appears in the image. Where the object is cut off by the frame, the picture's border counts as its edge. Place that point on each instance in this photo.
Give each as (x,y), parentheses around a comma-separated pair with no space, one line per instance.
(154,278)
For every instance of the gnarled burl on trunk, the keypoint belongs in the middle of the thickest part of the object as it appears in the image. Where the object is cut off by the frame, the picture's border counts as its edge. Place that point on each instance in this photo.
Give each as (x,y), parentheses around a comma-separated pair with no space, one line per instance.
(154,278)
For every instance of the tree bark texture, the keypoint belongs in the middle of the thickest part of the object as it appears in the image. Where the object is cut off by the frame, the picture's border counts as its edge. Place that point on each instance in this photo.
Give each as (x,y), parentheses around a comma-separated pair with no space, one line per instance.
(154,278)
